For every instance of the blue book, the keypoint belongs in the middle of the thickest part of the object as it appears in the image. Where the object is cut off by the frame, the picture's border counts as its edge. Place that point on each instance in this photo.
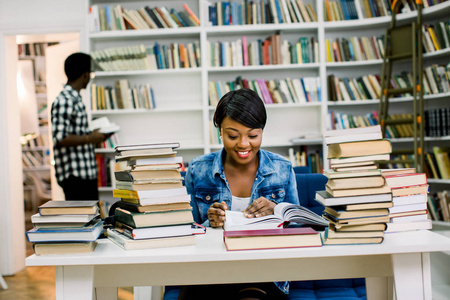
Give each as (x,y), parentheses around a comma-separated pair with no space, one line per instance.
(219,92)
(347,85)
(278,7)
(164,56)
(319,90)
(222,55)
(344,7)
(175,13)
(234,13)
(88,233)
(226,11)
(307,96)
(108,17)
(153,98)
(239,13)
(157,51)
(212,15)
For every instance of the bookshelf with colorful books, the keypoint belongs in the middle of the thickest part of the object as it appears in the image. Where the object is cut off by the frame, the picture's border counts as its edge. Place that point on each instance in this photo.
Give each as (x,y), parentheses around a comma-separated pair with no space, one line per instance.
(225,26)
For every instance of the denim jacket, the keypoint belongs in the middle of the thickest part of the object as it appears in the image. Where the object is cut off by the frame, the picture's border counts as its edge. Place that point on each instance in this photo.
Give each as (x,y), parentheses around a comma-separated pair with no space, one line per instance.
(206,183)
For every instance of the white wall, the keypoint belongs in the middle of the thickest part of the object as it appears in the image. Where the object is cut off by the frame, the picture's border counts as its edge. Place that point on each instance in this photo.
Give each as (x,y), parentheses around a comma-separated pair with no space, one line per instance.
(22,17)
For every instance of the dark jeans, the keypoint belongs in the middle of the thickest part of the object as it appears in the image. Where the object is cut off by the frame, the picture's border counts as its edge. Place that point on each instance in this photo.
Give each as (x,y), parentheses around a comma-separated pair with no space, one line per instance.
(76,188)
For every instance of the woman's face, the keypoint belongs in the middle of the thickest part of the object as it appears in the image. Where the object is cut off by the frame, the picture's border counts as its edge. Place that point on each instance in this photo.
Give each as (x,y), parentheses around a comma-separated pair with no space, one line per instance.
(240,142)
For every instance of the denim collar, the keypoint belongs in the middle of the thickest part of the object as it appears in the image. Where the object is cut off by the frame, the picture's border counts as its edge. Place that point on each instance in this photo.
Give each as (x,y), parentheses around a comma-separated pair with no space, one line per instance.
(265,167)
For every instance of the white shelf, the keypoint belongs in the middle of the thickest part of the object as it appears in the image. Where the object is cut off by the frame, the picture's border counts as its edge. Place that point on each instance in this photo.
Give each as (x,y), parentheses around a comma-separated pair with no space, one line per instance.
(147,72)
(145,33)
(438,181)
(265,68)
(346,64)
(145,111)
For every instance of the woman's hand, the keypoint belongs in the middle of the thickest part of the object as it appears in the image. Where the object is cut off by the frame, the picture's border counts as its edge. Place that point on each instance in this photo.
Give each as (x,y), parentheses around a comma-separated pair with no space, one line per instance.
(259,207)
(216,214)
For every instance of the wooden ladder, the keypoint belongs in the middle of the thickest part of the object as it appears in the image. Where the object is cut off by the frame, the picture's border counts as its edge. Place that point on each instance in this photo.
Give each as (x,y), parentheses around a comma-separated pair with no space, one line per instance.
(404,43)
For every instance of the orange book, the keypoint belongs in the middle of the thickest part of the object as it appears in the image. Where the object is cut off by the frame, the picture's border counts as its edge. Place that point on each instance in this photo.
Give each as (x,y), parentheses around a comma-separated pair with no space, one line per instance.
(191,13)
(182,56)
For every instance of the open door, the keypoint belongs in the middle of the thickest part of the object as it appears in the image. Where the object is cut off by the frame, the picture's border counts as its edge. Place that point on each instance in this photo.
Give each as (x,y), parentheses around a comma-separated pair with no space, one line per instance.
(56,78)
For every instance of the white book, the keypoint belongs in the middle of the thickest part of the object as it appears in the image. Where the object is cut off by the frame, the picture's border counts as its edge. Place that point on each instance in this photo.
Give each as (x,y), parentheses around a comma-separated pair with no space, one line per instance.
(399,227)
(408,219)
(407,208)
(353,138)
(299,90)
(353,131)
(327,200)
(410,199)
(37,218)
(376,157)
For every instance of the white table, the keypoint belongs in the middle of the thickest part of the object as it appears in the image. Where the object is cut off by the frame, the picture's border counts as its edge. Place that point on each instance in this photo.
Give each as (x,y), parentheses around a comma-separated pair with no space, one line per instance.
(403,257)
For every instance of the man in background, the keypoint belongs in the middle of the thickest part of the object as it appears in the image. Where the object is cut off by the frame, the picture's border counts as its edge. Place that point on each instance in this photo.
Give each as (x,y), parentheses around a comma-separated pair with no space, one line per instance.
(75,163)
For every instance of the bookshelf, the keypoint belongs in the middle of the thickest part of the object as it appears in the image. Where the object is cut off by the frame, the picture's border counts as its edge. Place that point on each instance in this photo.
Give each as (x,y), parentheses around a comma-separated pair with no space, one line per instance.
(183,109)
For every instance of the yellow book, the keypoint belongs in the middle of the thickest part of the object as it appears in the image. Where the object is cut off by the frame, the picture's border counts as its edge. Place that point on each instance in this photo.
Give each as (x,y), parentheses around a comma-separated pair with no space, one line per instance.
(434,38)
(370,147)
(328,51)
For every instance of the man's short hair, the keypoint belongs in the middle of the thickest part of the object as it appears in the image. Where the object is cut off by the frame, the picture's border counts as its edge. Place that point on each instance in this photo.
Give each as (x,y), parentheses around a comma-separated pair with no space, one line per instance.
(76,65)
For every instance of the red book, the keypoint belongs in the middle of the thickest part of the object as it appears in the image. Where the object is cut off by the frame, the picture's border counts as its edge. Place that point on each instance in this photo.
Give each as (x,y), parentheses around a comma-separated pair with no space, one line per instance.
(271,238)
(404,180)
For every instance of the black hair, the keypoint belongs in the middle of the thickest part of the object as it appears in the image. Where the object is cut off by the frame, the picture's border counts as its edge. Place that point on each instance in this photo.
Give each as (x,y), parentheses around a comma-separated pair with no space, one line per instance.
(76,65)
(243,106)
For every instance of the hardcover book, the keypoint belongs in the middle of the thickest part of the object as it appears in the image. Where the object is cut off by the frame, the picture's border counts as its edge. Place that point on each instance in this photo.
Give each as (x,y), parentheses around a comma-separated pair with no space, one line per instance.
(153,232)
(88,233)
(63,248)
(326,199)
(129,244)
(356,182)
(405,180)
(151,219)
(271,238)
(69,208)
(362,148)
(358,192)
(353,134)
(132,207)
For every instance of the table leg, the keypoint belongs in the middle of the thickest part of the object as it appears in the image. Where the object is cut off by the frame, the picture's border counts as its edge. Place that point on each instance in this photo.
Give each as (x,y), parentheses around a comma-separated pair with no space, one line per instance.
(379,288)
(412,276)
(74,282)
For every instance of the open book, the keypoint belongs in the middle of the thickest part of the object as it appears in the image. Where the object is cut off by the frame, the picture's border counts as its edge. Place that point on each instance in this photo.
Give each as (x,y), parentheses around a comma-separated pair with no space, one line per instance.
(283,215)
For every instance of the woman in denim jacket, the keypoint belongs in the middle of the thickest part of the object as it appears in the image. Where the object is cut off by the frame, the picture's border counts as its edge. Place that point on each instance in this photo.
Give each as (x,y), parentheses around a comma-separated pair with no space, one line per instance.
(240,177)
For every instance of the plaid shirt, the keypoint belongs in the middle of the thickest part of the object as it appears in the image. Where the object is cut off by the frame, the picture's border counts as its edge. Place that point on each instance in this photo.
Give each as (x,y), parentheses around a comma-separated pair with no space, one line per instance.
(68,115)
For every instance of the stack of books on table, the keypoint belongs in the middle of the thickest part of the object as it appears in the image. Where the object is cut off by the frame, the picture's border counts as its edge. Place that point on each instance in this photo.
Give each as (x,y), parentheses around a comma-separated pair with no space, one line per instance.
(409,198)
(154,210)
(270,232)
(62,227)
(357,198)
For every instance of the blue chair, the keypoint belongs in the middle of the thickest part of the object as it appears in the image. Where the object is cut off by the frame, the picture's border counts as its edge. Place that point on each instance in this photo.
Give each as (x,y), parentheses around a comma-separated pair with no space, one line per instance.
(333,289)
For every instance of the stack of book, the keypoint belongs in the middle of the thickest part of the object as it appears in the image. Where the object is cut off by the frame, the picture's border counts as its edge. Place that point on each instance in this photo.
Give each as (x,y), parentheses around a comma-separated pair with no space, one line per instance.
(409,198)
(154,210)
(357,198)
(62,227)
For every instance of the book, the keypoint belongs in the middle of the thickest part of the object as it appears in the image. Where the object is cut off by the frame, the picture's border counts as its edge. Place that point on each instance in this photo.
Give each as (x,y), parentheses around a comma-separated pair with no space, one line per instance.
(356,182)
(271,239)
(326,199)
(151,219)
(64,248)
(353,134)
(154,155)
(358,192)
(87,233)
(351,241)
(389,172)
(129,194)
(410,190)
(150,185)
(344,214)
(120,148)
(103,125)
(331,234)
(332,174)
(404,180)
(355,168)
(37,218)
(155,161)
(409,199)
(284,213)
(407,208)
(354,228)
(359,148)
(153,232)
(356,221)
(150,151)
(131,175)
(69,208)
(129,244)
(363,206)
(158,200)
(408,219)
(399,227)
(376,157)
(132,207)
